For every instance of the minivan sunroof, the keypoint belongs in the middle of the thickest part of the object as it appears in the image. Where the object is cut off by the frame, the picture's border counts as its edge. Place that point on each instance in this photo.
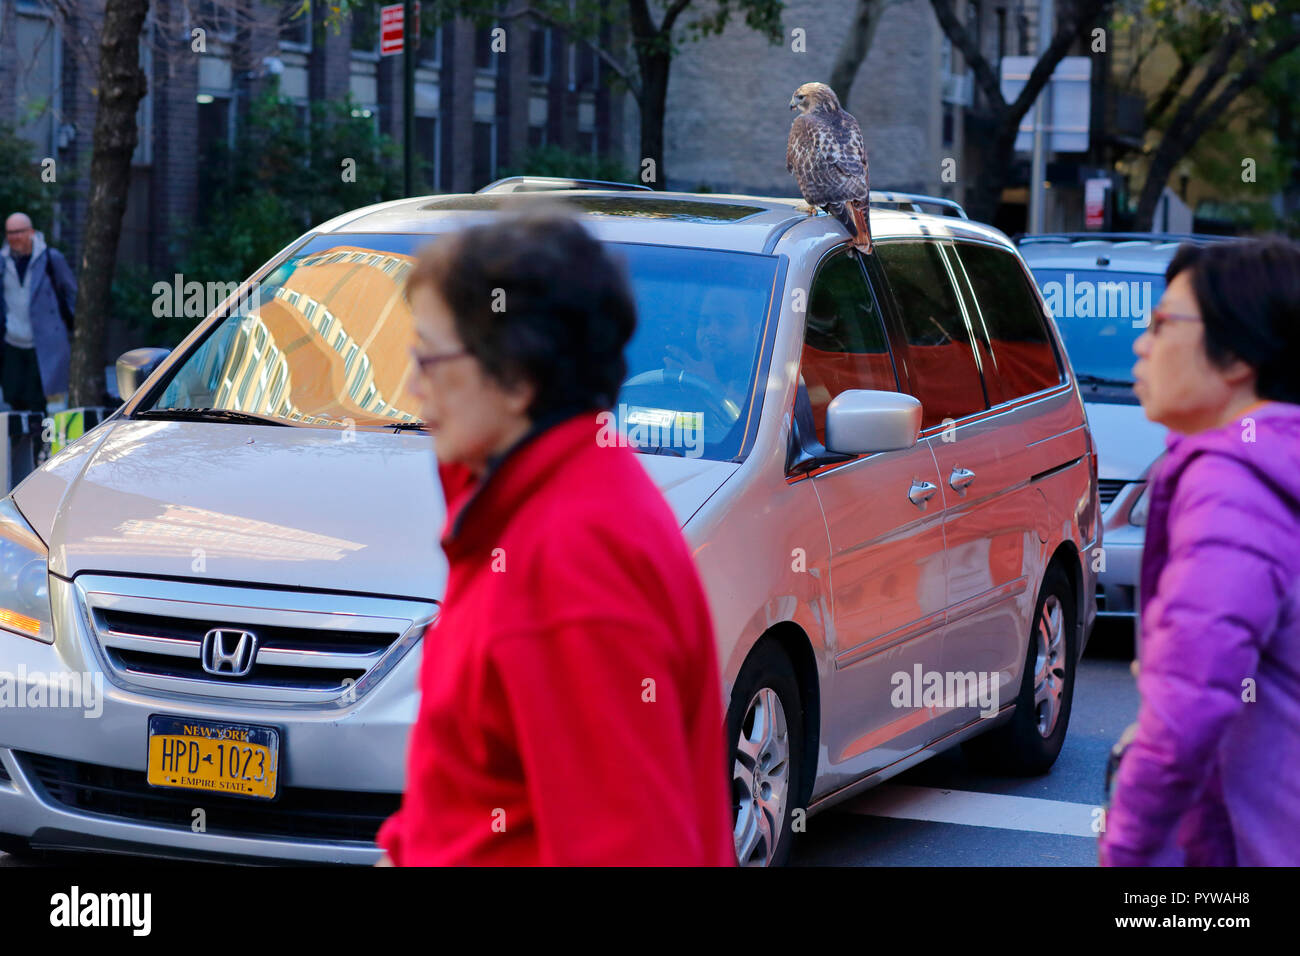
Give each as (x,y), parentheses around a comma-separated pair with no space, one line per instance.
(634,205)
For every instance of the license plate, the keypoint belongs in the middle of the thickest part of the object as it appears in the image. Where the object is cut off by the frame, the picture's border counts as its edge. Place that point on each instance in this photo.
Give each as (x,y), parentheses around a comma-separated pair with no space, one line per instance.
(235,759)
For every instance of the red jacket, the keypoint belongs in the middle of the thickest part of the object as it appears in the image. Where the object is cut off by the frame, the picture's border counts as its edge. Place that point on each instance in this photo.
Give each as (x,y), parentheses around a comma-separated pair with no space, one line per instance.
(570,706)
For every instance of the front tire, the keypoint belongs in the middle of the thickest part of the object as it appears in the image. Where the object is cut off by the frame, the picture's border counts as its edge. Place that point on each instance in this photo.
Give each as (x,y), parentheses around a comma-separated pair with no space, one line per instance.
(765,729)
(1030,742)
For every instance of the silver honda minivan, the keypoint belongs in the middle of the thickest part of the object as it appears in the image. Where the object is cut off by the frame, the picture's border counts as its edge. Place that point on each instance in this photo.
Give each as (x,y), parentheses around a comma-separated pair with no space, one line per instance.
(211,605)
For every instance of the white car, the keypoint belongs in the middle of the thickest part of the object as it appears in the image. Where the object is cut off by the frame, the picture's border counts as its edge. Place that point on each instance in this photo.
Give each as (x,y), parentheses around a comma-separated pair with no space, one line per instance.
(1101,288)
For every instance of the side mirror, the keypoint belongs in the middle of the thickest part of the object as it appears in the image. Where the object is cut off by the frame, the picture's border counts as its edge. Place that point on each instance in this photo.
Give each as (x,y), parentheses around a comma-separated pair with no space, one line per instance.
(135,366)
(862,422)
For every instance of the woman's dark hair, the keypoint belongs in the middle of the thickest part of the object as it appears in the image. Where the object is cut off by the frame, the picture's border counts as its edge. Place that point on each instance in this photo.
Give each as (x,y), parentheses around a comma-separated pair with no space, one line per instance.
(536,298)
(1248,292)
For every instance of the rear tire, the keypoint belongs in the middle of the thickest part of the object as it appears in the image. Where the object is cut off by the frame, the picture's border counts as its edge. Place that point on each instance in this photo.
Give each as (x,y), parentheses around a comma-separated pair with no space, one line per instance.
(765,733)
(1030,742)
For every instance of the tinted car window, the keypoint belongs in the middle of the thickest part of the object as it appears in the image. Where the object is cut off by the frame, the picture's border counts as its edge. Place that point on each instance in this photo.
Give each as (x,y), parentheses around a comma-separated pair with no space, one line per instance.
(844,338)
(1017,351)
(941,361)
(1100,314)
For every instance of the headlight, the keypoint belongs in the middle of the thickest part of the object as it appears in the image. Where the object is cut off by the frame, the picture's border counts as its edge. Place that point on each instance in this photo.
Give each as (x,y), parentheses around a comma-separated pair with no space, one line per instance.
(1137,515)
(24,577)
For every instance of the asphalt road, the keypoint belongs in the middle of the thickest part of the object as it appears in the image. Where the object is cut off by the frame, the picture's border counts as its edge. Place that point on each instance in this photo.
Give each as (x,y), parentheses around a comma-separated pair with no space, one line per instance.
(943,813)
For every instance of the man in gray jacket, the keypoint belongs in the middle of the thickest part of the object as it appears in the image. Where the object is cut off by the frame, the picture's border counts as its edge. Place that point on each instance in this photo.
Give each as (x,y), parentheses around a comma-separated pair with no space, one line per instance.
(39,291)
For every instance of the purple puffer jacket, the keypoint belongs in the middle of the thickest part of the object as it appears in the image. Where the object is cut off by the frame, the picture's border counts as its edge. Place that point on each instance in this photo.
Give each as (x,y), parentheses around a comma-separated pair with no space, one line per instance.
(1215,764)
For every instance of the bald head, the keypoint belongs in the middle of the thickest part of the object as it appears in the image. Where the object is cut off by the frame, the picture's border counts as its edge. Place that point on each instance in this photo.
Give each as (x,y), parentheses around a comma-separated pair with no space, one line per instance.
(18,233)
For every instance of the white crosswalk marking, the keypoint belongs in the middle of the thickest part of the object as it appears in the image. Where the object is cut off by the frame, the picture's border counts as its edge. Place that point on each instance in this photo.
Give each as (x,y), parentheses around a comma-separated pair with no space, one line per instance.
(969,808)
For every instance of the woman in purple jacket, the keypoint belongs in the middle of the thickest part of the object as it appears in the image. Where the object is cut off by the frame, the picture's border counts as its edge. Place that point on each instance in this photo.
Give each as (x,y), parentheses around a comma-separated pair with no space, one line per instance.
(1215,763)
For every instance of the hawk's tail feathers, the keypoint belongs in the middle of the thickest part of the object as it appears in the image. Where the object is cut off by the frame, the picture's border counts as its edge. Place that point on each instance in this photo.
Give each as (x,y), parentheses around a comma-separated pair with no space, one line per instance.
(853,216)
(861,225)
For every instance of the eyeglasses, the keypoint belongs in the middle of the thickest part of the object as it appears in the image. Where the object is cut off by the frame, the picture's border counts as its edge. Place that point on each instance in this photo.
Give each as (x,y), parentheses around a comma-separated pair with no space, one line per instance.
(427,362)
(1159,317)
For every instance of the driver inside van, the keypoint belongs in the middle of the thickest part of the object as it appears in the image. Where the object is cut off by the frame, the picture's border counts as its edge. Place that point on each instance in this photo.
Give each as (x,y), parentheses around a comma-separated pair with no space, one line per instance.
(724,346)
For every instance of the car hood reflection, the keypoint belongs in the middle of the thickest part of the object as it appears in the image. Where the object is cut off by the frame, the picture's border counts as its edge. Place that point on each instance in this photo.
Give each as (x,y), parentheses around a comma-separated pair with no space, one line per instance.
(311,508)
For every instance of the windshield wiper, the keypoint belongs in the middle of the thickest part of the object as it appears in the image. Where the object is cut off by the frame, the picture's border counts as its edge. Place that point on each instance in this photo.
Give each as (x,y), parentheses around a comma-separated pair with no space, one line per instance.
(209,415)
(405,426)
(1086,379)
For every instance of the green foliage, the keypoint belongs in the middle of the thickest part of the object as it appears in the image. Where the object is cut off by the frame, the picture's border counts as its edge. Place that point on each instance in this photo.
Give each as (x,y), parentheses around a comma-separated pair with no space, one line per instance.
(21,188)
(131,301)
(283,177)
(555,161)
(287,173)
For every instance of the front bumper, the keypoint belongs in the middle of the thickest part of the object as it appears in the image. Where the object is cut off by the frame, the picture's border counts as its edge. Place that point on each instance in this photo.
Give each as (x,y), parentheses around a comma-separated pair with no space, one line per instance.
(72,766)
(1117,581)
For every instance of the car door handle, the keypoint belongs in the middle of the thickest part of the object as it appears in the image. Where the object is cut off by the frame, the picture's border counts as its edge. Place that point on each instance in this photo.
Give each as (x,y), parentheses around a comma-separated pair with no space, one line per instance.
(960,478)
(921,492)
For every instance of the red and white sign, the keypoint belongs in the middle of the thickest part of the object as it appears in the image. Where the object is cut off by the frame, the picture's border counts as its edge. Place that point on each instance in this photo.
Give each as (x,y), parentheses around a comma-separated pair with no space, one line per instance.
(392,36)
(1094,203)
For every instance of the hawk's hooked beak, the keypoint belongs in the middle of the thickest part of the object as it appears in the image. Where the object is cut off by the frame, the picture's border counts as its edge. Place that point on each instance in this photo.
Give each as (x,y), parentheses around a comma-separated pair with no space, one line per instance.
(794,104)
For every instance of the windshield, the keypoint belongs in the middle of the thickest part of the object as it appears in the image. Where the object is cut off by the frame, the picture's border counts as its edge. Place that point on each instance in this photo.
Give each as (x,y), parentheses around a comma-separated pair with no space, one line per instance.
(1100,315)
(323,340)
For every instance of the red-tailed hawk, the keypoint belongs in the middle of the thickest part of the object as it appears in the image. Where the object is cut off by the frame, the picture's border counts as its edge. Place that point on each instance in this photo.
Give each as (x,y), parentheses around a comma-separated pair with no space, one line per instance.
(829,160)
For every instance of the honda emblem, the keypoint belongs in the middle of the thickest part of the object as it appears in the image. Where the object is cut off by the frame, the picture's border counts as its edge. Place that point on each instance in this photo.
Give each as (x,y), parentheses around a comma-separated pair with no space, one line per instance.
(228,653)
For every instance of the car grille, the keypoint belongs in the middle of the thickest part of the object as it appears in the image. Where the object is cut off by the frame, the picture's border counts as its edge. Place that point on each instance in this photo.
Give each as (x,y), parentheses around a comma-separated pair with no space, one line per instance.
(1108,490)
(296,813)
(305,646)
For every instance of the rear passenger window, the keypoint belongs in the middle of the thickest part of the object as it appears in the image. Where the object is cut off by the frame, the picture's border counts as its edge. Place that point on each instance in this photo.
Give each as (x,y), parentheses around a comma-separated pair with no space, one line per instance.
(1018,357)
(844,338)
(940,357)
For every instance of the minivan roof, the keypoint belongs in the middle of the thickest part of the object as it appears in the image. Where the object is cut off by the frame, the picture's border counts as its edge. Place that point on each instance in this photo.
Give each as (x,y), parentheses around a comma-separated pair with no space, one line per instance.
(708,220)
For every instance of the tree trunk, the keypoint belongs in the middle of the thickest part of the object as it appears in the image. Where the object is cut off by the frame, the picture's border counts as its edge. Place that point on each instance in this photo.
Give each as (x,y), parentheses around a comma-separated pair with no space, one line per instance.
(121,86)
(856,46)
(654,100)
(984,195)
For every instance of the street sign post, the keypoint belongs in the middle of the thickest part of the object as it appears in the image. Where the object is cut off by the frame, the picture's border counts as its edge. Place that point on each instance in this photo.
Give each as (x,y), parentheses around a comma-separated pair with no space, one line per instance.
(392,35)
(394,38)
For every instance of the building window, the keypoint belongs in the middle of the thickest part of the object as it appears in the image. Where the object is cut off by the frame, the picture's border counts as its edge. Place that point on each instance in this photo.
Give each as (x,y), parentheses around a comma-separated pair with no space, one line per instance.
(217,18)
(295,25)
(539,53)
(485,153)
(365,28)
(583,67)
(36,84)
(948,125)
(426,145)
(485,58)
(430,42)
(216,125)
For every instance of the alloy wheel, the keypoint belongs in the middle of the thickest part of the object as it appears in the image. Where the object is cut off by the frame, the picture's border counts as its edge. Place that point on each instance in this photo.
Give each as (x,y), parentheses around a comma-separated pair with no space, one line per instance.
(1049,665)
(761,778)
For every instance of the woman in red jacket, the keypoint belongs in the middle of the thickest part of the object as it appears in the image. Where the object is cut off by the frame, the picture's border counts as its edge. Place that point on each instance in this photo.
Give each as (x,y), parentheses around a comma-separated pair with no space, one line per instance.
(570,706)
